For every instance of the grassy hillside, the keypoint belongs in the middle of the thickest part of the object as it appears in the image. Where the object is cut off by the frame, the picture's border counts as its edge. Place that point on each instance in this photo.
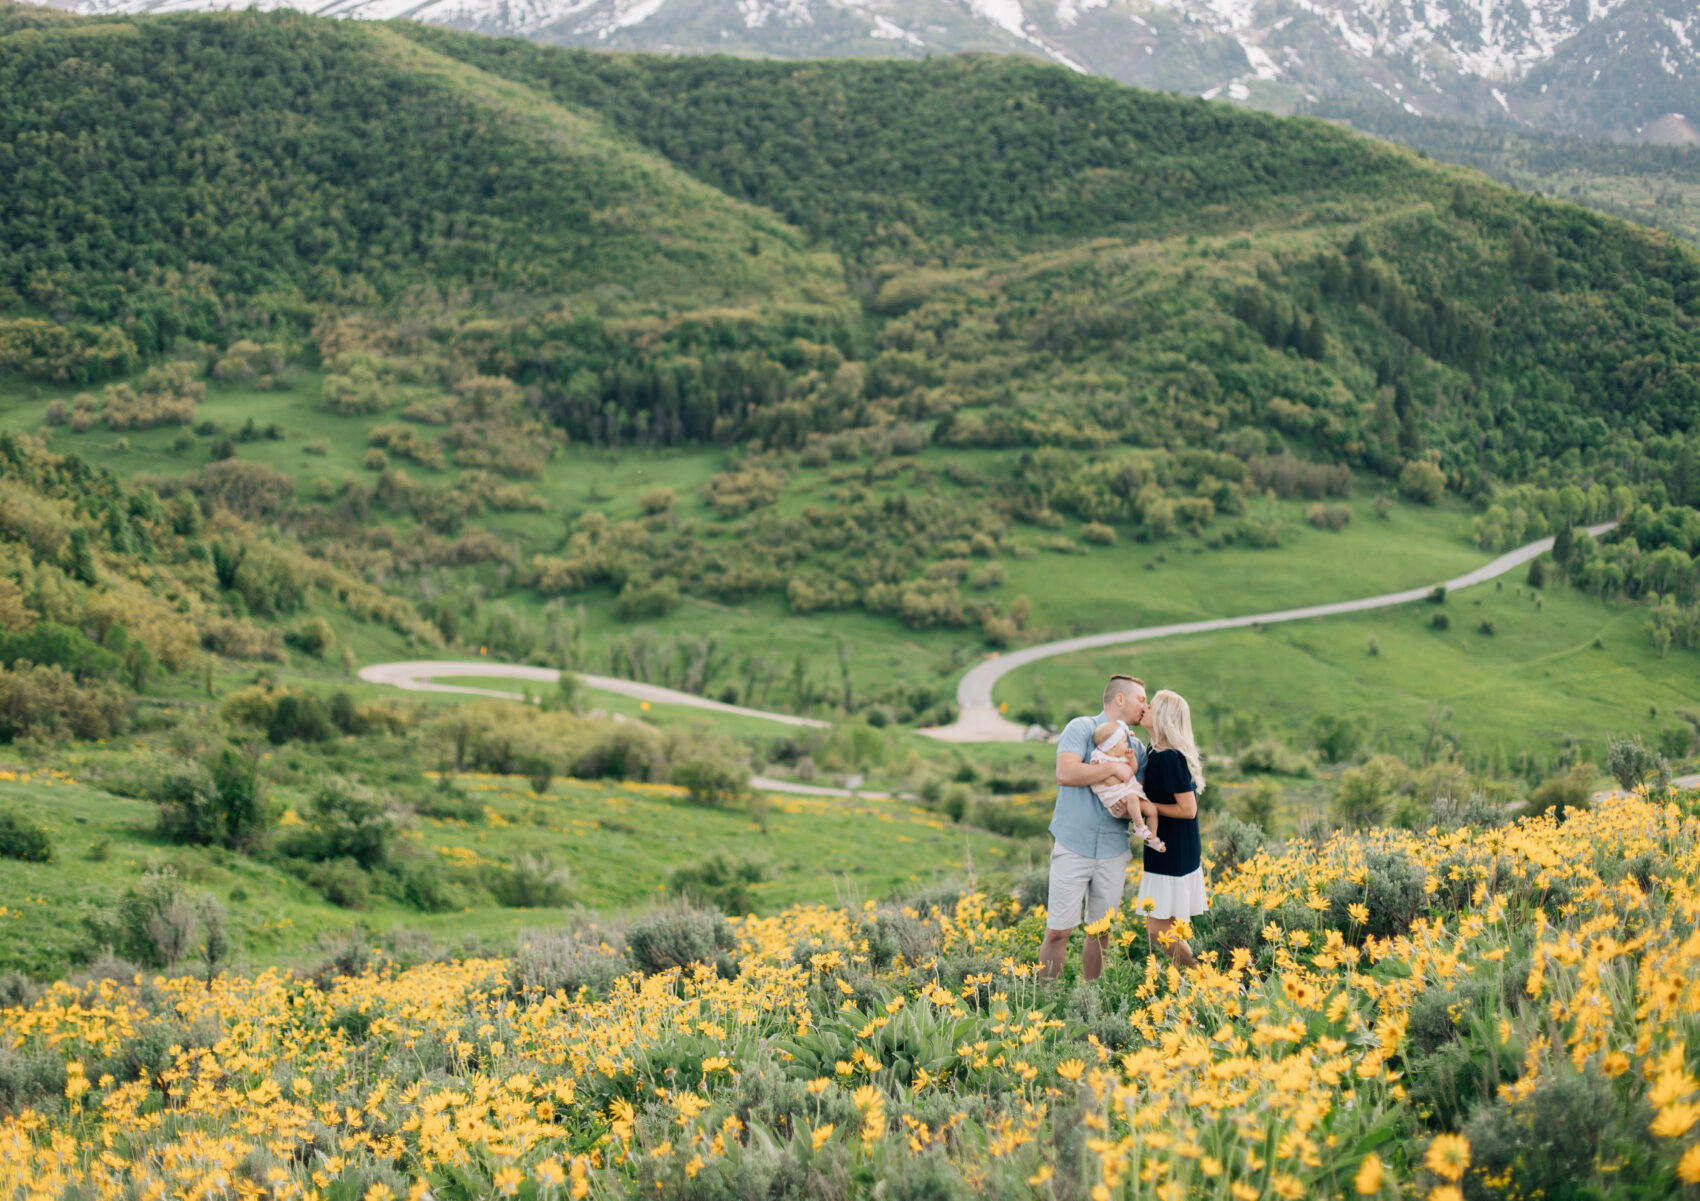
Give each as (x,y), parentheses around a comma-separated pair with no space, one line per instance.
(1510,329)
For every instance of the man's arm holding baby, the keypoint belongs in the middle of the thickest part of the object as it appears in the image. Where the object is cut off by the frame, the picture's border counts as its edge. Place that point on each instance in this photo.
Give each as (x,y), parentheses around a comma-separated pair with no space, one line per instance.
(1074,772)
(1074,754)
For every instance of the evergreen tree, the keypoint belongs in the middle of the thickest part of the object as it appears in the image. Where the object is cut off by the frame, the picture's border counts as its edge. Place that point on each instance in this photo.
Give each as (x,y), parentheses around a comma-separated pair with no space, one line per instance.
(1311,342)
(1543,270)
(1685,478)
(80,557)
(1405,408)
(1518,255)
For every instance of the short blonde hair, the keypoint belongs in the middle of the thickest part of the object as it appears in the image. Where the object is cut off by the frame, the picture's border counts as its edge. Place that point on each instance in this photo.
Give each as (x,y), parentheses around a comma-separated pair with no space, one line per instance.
(1171,725)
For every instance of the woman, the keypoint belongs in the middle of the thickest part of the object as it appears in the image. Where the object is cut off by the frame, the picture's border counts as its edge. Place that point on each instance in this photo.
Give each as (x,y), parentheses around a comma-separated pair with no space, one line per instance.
(1173,884)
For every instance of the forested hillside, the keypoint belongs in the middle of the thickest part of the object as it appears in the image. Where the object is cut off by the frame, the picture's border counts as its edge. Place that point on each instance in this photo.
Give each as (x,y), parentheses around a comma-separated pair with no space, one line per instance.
(325,169)
(171,180)
(1060,299)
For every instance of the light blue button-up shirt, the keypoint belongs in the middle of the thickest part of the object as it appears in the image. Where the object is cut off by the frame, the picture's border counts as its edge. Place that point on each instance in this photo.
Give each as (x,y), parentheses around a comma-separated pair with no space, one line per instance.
(1080,823)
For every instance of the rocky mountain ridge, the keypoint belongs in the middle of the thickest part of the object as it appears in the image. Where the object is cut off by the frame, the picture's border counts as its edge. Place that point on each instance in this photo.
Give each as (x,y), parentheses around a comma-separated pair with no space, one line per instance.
(1624,69)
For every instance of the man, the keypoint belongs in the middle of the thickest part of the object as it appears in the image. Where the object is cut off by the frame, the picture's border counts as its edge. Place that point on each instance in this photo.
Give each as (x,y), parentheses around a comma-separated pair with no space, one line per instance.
(1090,858)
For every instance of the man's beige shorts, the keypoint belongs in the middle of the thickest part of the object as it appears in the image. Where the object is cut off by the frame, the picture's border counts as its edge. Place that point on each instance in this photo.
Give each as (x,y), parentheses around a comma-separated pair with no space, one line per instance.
(1078,883)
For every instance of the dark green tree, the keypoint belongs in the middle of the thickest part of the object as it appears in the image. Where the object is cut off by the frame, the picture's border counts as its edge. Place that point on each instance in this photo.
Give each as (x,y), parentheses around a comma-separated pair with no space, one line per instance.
(79,558)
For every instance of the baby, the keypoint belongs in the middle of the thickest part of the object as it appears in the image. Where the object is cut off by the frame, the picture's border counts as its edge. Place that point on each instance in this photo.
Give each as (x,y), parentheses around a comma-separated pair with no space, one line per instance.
(1112,743)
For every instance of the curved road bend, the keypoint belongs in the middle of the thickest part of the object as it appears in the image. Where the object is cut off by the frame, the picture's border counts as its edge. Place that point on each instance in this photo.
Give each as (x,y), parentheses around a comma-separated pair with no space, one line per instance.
(978,718)
(420,676)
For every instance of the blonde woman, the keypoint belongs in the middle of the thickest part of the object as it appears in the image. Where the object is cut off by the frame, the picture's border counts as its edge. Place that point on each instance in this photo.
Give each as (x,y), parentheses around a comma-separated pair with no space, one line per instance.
(1173,884)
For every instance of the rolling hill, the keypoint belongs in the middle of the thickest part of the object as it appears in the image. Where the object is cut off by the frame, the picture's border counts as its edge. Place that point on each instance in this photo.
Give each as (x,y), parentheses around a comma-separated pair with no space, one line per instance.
(805,386)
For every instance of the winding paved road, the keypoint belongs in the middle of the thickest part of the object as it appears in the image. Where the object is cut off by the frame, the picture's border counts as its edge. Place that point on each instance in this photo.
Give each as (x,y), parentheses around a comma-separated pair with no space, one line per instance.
(978,718)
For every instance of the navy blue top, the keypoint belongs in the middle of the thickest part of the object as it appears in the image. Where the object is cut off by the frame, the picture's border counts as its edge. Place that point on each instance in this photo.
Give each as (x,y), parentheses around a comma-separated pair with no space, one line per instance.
(1166,774)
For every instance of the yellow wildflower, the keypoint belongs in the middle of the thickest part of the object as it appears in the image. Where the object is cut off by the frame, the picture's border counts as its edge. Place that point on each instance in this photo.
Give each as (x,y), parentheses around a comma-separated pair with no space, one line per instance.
(1673,1121)
(1368,1179)
(1448,1156)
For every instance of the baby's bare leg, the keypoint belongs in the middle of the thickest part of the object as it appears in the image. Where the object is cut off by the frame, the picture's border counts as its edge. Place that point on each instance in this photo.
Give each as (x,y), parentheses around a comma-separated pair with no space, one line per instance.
(1149,809)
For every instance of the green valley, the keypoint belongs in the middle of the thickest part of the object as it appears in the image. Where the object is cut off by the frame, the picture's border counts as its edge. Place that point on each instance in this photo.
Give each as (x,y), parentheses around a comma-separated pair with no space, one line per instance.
(797,386)
(752,417)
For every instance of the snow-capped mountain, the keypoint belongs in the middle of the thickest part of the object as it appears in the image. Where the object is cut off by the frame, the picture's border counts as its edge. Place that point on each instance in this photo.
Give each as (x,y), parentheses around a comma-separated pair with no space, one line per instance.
(1620,68)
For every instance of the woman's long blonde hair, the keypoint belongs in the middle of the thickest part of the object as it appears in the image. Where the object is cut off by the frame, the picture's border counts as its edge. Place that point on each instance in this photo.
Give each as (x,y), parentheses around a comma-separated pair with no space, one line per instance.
(1171,726)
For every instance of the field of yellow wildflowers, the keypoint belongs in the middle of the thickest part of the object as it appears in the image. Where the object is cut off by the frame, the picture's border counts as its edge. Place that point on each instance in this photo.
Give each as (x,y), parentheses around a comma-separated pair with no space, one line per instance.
(1504,1011)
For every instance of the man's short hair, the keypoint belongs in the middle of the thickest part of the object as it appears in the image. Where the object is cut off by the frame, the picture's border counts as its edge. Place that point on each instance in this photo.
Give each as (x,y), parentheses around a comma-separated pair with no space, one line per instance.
(1120,684)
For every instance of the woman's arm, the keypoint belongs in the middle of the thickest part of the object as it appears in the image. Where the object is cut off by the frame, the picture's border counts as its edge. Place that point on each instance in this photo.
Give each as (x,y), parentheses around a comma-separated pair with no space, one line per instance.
(1186,805)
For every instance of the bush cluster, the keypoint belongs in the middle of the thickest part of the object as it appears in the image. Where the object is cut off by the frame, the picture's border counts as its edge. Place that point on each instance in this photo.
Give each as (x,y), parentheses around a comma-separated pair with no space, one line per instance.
(1393,893)
(43,700)
(720,881)
(23,839)
(679,935)
(158,924)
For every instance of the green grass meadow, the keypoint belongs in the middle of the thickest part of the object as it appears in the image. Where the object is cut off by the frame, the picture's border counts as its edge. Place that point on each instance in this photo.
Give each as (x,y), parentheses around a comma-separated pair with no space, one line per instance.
(1567,665)
(619,841)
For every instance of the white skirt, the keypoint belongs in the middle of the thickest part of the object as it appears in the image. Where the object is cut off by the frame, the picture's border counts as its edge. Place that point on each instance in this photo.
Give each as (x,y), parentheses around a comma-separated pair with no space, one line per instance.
(1173,896)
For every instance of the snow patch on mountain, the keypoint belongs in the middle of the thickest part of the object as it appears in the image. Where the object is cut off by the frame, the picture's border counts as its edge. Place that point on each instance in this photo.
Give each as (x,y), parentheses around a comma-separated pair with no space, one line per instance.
(885,28)
(1069,11)
(758,14)
(1006,14)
